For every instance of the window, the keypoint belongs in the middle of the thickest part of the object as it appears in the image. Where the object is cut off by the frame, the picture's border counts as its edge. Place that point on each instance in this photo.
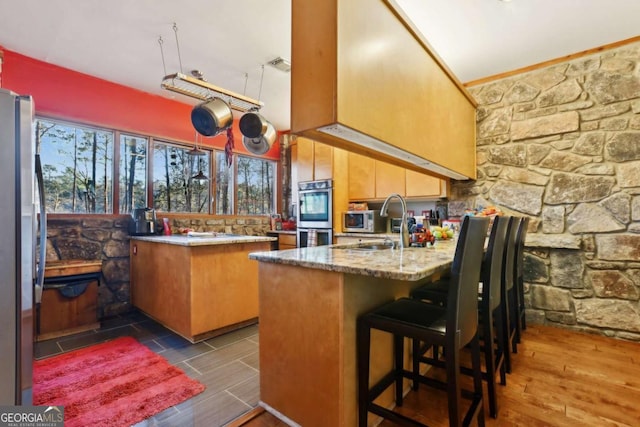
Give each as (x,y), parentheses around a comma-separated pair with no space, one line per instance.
(175,185)
(255,186)
(80,174)
(133,173)
(224,185)
(77,165)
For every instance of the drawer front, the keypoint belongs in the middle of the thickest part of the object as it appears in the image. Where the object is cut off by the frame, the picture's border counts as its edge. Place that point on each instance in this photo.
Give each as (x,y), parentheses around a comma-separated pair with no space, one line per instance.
(287,240)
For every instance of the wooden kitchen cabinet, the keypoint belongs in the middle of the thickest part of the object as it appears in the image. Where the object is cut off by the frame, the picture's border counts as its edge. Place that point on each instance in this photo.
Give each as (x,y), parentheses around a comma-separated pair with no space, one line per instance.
(389,179)
(286,241)
(342,95)
(371,179)
(362,177)
(69,299)
(322,161)
(196,291)
(422,185)
(302,157)
(312,160)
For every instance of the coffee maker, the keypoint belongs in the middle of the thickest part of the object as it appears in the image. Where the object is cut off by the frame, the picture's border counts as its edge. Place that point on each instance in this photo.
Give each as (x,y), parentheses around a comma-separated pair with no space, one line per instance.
(143,222)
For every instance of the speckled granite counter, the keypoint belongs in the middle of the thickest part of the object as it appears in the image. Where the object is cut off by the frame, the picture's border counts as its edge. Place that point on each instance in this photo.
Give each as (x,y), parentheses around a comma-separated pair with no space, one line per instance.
(309,301)
(401,264)
(392,236)
(219,239)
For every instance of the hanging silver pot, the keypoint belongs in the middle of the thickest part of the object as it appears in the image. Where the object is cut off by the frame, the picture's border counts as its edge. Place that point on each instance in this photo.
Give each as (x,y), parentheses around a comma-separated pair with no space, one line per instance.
(263,143)
(211,117)
(253,125)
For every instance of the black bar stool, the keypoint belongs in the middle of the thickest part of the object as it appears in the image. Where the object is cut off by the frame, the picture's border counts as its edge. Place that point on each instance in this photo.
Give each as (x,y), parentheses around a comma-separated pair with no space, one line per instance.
(490,314)
(452,327)
(509,314)
(519,278)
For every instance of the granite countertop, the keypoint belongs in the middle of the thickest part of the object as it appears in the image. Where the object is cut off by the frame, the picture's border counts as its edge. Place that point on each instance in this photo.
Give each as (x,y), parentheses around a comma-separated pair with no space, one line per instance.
(215,239)
(392,236)
(401,264)
(293,232)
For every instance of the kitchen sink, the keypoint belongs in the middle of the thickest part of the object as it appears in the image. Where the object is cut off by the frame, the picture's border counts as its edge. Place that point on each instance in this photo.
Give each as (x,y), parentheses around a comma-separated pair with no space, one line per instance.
(373,247)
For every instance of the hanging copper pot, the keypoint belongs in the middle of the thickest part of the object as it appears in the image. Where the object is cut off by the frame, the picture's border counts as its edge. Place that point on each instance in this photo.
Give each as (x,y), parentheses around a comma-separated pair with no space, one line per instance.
(211,117)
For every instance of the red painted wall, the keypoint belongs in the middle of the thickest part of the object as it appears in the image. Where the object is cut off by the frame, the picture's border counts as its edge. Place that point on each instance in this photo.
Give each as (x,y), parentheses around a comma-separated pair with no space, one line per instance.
(66,94)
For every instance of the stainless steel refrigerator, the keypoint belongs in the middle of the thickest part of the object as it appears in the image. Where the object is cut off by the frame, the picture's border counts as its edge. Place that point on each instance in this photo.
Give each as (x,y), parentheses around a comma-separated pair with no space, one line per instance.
(21,268)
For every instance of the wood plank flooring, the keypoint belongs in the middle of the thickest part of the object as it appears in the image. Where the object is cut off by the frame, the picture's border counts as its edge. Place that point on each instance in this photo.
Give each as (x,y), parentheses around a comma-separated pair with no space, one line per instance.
(560,378)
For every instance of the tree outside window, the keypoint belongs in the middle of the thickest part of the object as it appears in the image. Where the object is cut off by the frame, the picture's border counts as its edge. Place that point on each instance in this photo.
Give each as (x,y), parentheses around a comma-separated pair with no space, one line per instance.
(133,173)
(223,185)
(78,168)
(77,164)
(174,187)
(256,179)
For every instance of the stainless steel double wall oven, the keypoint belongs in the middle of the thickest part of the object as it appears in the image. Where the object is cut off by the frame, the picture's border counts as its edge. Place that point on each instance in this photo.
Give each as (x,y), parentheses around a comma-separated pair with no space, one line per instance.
(315,212)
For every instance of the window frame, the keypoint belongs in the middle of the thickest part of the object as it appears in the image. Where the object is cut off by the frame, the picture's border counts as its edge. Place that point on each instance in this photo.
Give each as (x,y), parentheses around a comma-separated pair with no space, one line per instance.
(151,143)
(151,165)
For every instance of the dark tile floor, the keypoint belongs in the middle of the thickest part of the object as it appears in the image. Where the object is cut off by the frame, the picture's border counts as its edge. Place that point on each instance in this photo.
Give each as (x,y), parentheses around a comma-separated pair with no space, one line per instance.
(227,365)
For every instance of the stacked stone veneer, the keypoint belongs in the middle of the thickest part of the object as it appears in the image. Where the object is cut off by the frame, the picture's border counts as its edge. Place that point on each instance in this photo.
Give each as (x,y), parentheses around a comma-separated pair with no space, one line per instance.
(106,238)
(562,145)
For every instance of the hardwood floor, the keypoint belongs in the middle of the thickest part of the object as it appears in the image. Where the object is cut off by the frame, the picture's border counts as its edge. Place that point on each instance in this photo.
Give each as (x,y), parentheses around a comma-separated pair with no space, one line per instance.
(560,378)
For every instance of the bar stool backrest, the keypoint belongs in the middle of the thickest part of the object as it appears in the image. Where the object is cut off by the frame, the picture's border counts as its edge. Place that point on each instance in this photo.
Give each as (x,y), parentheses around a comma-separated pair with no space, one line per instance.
(510,252)
(519,255)
(491,274)
(462,307)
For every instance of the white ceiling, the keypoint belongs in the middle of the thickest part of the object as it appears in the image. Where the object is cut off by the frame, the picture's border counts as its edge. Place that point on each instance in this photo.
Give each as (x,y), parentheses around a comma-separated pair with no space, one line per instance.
(117,40)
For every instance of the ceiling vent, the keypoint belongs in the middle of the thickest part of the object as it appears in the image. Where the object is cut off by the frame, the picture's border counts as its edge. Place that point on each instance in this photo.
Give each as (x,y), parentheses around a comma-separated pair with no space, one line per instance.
(281,64)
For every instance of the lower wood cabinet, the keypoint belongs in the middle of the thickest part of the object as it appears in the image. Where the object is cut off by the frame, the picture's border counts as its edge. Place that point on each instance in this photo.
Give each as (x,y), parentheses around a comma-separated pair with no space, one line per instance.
(286,241)
(196,291)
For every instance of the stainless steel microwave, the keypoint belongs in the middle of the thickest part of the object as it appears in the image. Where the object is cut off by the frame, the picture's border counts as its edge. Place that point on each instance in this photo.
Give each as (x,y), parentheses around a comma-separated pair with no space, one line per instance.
(363,222)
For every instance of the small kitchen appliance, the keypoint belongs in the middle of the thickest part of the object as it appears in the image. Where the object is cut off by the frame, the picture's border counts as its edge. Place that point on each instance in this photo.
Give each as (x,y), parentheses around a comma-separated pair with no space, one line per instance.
(368,221)
(395,224)
(143,222)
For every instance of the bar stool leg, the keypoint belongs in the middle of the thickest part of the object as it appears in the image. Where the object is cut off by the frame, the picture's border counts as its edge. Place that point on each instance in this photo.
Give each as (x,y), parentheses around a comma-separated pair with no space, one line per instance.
(500,348)
(363,354)
(477,377)
(398,351)
(415,360)
(490,363)
(454,394)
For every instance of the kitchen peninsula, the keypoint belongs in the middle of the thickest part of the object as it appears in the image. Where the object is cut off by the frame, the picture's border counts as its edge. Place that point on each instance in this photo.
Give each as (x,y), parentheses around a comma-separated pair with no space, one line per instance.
(199,287)
(309,301)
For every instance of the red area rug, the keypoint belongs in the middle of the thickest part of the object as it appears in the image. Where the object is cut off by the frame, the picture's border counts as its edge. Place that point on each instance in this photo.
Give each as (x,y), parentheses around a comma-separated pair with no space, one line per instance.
(116,383)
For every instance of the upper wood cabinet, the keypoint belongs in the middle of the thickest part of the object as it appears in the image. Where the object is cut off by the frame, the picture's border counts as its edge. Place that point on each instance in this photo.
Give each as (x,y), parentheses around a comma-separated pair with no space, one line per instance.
(322,161)
(362,177)
(371,179)
(312,160)
(389,179)
(422,185)
(399,93)
(302,158)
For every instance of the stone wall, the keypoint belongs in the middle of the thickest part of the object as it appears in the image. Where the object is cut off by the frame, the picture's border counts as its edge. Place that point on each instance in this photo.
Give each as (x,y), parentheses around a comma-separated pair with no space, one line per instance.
(562,145)
(106,237)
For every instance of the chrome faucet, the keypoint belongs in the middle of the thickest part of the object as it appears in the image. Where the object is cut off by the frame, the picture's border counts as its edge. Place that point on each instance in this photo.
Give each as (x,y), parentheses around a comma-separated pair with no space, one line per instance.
(404,228)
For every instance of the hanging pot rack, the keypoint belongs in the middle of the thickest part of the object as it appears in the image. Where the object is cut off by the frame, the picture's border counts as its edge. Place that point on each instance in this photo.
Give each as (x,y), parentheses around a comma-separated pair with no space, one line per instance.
(203,90)
(198,88)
